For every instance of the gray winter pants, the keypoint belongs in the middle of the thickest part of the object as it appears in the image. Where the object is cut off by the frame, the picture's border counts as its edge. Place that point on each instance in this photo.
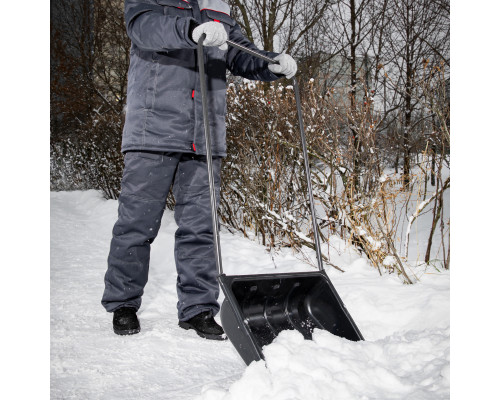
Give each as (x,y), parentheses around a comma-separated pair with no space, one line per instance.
(146,181)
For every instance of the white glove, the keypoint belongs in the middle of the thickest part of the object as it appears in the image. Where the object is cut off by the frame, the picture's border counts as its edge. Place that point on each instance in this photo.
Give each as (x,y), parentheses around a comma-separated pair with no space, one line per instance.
(216,34)
(287,65)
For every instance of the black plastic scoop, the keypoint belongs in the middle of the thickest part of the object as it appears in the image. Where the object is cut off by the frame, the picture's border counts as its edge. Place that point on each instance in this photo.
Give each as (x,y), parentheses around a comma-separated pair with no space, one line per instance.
(258,307)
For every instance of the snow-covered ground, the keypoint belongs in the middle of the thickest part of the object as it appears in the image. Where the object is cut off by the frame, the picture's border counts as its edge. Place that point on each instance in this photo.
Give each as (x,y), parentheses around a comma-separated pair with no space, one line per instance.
(405,355)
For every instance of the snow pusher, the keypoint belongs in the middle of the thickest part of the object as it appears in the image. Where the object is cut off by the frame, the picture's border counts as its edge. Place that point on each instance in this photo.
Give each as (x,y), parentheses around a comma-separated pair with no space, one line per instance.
(258,307)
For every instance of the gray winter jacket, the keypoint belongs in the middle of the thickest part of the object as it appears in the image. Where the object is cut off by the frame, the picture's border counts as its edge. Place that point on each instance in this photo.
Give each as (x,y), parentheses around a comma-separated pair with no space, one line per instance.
(164,111)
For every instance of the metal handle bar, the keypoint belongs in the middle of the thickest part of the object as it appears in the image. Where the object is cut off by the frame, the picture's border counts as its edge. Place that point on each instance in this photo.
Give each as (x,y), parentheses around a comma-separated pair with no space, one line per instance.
(208,144)
(252,52)
(308,174)
(208,141)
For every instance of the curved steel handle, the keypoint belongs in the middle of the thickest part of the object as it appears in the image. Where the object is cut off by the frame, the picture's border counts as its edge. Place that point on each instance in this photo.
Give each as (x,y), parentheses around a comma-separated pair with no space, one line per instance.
(208,141)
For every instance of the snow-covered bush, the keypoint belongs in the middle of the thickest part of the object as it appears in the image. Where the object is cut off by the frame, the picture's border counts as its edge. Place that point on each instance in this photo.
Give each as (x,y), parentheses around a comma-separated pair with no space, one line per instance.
(90,158)
(264,188)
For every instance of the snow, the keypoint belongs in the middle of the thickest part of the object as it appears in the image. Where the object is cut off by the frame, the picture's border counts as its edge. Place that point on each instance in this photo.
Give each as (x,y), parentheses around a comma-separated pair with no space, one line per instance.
(405,354)
(303,237)
(329,367)
(413,231)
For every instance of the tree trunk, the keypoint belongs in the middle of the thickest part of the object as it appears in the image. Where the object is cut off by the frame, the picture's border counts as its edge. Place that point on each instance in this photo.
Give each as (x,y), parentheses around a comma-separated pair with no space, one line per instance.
(407,101)
(355,136)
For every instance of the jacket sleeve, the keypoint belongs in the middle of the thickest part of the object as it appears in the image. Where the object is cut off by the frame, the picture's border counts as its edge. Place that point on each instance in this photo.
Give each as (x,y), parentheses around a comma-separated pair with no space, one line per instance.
(244,64)
(150,30)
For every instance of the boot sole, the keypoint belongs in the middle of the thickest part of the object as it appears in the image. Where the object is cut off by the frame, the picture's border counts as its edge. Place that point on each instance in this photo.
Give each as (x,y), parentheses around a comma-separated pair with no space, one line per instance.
(209,336)
(124,332)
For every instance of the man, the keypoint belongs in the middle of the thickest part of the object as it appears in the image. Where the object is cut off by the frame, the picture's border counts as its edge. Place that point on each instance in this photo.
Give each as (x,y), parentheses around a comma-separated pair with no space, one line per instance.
(164,146)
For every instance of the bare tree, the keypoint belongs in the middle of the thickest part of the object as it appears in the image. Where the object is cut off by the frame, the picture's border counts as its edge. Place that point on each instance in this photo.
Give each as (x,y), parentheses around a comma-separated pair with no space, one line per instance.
(284,21)
(419,35)
(89,63)
(111,47)
(356,30)
(89,60)
(71,61)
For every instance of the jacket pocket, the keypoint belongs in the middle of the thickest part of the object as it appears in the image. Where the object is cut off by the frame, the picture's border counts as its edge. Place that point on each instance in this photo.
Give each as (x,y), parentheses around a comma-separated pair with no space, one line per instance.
(219,16)
(176,8)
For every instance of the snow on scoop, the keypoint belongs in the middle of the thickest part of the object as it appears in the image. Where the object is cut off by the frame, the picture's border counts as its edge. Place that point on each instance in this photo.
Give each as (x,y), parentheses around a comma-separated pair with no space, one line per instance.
(258,307)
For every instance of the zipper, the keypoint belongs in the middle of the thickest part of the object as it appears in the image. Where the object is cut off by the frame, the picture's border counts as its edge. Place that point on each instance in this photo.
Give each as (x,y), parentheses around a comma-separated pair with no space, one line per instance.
(197,16)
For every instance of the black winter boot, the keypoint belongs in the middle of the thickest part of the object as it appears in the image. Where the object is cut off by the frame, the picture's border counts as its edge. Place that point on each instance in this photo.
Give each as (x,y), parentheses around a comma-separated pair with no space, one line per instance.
(205,326)
(125,321)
